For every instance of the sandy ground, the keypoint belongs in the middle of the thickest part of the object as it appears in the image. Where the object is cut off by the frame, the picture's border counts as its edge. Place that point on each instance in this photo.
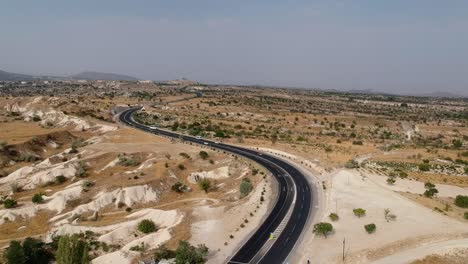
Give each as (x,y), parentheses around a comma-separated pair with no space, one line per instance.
(218,223)
(413,225)
(410,255)
(412,186)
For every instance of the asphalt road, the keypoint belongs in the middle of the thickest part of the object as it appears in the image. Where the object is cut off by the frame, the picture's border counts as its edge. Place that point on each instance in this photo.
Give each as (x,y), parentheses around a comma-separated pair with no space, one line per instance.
(294,194)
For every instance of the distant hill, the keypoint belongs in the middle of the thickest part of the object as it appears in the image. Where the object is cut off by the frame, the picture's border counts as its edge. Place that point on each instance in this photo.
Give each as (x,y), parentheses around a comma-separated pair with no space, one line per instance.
(442,94)
(8,76)
(89,75)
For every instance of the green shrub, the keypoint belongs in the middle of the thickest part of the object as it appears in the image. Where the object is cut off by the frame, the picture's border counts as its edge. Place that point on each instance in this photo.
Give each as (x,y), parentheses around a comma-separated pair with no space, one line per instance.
(140,248)
(403,174)
(163,253)
(15,253)
(179,187)
(461,201)
(429,185)
(334,217)
(457,143)
(352,164)
(430,189)
(37,198)
(10,203)
(128,161)
(204,184)
(147,226)
(36,251)
(323,229)
(203,154)
(465,215)
(3,144)
(87,184)
(370,228)
(424,167)
(185,155)
(60,179)
(359,212)
(245,187)
(28,157)
(186,253)
(72,249)
(431,192)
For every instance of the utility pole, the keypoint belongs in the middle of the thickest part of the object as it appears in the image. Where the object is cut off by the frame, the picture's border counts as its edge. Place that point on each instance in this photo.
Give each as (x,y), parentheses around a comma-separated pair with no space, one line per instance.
(344,243)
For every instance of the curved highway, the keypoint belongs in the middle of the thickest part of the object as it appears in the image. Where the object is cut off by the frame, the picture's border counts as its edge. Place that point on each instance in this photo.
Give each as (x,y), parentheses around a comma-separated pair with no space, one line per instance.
(275,238)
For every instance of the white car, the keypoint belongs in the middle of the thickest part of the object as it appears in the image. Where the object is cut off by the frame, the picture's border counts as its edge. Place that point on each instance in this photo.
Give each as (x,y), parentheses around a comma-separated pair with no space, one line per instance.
(153,127)
(198,137)
(206,143)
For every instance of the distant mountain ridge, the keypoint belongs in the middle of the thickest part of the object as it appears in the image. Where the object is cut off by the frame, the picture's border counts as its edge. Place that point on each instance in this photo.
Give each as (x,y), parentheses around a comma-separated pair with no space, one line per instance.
(90,75)
(87,75)
(9,76)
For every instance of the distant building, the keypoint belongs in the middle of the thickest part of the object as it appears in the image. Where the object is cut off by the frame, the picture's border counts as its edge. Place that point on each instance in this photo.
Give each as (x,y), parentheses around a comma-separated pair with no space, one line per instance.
(145,81)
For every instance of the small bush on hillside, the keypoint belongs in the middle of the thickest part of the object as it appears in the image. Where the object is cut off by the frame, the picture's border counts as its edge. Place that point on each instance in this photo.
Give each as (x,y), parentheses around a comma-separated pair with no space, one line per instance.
(81,170)
(186,253)
(457,143)
(204,184)
(60,179)
(358,142)
(352,164)
(87,184)
(323,229)
(28,157)
(461,201)
(403,174)
(424,167)
(430,190)
(163,253)
(2,145)
(359,212)
(203,154)
(37,198)
(128,161)
(334,217)
(147,226)
(185,155)
(10,203)
(15,253)
(179,187)
(370,228)
(245,187)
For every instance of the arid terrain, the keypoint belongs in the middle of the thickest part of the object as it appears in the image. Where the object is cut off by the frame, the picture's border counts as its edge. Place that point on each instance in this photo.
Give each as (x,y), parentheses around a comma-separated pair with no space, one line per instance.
(67,166)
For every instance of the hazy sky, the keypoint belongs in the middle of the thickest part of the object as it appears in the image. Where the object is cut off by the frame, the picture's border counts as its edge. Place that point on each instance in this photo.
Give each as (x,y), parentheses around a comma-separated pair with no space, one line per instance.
(394,45)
